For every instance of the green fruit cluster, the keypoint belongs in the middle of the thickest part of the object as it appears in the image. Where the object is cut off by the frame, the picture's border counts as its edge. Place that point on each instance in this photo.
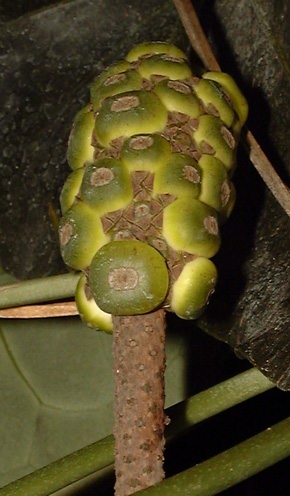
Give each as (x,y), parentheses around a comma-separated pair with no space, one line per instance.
(152,158)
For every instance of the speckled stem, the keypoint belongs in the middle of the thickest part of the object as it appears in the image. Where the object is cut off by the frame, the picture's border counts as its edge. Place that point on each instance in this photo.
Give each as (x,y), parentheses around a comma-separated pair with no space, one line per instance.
(139,364)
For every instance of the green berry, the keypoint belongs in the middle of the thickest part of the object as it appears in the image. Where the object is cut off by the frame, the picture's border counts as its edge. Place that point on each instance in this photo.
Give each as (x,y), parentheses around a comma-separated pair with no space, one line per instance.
(71,189)
(215,187)
(89,311)
(112,70)
(80,150)
(136,112)
(155,47)
(229,205)
(191,226)
(106,185)
(193,288)
(177,96)
(230,86)
(115,84)
(180,176)
(164,65)
(214,101)
(214,138)
(128,278)
(145,152)
(81,235)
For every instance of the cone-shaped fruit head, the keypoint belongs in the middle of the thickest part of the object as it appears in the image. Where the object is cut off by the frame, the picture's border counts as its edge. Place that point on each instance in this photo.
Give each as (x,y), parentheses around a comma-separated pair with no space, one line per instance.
(153,155)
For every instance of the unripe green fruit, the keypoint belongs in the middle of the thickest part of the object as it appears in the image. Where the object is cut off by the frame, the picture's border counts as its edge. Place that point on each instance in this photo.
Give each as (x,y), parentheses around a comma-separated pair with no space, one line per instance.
(214,138)
(114,85)
(81,235)
(228,207)
(130,113)
(89,311)
(215,187)
(230,86)
(116,68)
(145,152)
(213,99)
(71,189)
(155,47)
(179,176)
(177,96)
(80,150)
(106,185)
(164,65)
(128,278)
(193,288)
(191,226)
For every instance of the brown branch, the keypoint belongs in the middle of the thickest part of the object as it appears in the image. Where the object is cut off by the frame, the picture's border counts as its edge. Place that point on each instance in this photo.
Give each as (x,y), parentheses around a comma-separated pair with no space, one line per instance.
(258,158)
(267,172)
(195,34)
(139,364)
(64,309)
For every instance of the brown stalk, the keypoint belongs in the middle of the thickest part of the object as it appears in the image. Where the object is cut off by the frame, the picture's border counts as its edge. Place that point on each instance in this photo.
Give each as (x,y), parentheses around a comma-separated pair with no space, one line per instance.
(258,158)
(139,364)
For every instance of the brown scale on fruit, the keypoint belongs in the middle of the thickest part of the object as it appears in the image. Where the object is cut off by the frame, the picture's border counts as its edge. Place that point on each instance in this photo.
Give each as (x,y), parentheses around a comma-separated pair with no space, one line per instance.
(101,176)
(65,234)
(124,103)
(179,132)
(191,174)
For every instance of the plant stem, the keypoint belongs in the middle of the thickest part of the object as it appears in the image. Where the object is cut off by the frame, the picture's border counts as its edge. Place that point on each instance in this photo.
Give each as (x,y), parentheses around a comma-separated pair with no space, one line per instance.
(139,365)
(64,472)
(99,455)
(230,467)
(38,290)
(217,399)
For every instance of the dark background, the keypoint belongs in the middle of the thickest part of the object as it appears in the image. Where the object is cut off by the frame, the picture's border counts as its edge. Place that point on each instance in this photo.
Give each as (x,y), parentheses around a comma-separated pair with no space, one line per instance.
(50,53)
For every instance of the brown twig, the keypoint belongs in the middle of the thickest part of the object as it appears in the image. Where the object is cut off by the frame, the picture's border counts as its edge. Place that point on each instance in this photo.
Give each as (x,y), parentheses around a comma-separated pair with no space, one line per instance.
(196,34)
(258,158)
(61,309)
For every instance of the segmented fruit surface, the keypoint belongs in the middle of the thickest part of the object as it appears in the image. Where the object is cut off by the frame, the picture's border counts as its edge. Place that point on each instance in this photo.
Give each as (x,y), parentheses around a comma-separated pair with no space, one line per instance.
(152,156)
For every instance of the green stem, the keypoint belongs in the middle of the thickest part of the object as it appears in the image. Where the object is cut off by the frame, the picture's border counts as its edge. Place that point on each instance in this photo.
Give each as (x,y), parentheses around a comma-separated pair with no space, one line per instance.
(230,467)
(217,399)
(99,455)
(38,290)
(65,471)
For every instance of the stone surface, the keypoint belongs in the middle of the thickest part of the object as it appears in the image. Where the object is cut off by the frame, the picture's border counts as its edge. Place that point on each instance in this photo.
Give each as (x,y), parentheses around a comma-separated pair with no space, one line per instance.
(251,308)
